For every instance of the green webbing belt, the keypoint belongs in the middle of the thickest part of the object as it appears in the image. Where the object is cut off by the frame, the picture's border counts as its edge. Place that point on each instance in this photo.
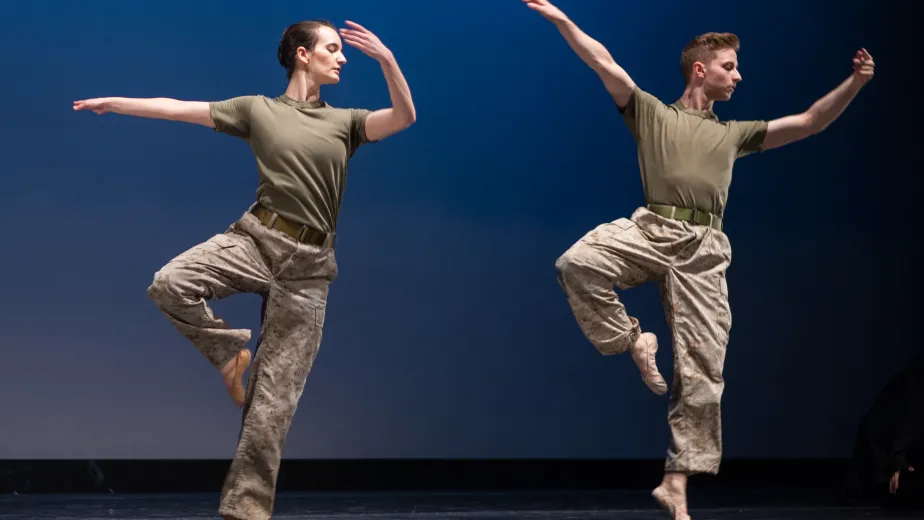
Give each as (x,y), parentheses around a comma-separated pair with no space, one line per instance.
(687,215)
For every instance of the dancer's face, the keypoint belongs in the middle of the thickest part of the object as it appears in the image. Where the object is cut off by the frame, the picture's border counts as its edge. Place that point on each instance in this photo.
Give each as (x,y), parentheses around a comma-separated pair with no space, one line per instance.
(720,76)
(326,60)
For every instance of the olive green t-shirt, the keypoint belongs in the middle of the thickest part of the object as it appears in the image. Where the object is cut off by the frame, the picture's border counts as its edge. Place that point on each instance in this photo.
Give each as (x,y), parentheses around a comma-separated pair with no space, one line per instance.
(686,155)
(302,150)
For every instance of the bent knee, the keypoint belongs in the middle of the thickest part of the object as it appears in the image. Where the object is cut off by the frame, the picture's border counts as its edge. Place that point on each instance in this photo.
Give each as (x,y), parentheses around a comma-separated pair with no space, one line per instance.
(568,262)
(164,286)
(577,263)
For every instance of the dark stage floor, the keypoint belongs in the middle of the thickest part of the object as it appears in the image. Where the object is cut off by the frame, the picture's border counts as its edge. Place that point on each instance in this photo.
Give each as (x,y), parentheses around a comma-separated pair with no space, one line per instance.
(777,505)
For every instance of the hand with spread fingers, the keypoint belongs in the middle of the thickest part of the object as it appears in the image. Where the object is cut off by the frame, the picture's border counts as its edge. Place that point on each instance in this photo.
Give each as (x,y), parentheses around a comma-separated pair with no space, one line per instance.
(364,40)
(388,121)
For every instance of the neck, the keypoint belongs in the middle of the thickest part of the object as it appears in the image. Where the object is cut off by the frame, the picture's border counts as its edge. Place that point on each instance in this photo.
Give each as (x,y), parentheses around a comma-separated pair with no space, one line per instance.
(695,98)
(302,88)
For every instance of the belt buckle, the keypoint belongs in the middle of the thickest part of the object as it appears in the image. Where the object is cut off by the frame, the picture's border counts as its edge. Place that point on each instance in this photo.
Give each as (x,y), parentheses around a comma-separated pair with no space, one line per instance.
(329,238)
(302,234)
(697,213)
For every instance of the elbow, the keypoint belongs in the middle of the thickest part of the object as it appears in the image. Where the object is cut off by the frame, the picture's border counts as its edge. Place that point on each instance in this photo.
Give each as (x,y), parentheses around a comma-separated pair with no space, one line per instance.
(813,123)
(600,59)
(409,118)
(602,64)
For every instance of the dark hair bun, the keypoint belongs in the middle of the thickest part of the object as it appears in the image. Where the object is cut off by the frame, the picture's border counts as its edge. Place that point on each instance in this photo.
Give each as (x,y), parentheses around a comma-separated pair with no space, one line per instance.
(281,55)
(284,52)
(301,34)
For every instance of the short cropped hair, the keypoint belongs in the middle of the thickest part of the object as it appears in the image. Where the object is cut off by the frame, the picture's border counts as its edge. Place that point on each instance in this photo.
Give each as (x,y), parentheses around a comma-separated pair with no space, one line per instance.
(703,49)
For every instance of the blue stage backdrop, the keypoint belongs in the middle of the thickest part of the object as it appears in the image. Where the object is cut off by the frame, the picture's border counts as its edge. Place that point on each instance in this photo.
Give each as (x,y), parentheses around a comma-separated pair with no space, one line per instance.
(447,334)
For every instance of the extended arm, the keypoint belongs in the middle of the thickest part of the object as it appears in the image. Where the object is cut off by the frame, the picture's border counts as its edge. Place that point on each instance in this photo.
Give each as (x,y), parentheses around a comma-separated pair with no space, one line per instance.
(823,112)
(402,114)
(593,53)
(196,112)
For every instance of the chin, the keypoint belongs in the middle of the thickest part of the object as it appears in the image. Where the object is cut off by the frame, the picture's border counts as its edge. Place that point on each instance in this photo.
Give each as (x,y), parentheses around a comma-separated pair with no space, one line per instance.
(328,79)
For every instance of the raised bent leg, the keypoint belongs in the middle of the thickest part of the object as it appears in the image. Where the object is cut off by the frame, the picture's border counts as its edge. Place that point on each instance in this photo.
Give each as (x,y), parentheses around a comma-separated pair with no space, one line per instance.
(696,304)
(615,253)
(226,264)
(292,330)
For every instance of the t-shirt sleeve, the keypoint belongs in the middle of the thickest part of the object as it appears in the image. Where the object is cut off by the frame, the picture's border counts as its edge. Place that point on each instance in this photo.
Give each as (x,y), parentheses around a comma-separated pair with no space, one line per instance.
(749,136)
(232,116)
(641,111)
(358,128)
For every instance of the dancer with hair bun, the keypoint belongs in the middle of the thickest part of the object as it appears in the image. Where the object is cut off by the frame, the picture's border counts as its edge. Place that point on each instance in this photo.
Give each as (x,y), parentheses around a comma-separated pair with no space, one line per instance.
(282,247)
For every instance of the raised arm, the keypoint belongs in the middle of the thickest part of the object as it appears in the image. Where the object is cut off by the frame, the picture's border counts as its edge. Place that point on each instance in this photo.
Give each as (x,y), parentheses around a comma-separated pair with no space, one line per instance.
(402,114)
(823,112)
(615,79)
(196,112)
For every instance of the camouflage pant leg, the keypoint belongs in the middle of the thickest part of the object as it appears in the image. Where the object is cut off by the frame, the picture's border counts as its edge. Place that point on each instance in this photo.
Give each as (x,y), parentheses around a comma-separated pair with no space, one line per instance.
(695,299)
(615,253)
(690,263)
(292,328)
(226,264)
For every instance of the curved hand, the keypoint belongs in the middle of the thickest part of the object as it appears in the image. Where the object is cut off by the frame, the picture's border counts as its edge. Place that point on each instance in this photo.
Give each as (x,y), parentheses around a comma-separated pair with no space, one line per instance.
(387,121)
(364,40)
(545,8)
(98,105)
(863,66)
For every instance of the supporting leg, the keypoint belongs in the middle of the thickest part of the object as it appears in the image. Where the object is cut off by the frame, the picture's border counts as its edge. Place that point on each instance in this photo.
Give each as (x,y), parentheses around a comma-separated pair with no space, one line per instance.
(291,338)
(695,298)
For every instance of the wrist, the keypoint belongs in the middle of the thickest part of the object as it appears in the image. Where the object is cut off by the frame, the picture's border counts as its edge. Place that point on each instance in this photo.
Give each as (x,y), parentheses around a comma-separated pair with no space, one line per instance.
(559,19)
(111,104)
(857,82)
(387,59)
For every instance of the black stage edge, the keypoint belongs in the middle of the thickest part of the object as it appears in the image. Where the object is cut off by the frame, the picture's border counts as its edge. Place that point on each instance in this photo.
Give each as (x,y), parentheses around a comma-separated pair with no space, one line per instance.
(354,475)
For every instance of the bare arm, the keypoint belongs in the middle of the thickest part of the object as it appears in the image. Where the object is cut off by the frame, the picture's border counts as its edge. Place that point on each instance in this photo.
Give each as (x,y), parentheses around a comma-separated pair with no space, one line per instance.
(402,114)
(593,53)
(823,112)
(389,121)
(196,112)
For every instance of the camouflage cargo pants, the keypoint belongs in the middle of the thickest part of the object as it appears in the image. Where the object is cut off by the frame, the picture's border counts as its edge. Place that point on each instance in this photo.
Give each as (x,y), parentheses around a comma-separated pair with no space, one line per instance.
(293,279)
(689,262)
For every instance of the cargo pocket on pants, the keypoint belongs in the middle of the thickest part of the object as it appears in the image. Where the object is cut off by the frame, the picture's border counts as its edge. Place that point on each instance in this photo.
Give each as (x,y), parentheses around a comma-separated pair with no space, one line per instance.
(723,307)
(320,313)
